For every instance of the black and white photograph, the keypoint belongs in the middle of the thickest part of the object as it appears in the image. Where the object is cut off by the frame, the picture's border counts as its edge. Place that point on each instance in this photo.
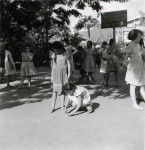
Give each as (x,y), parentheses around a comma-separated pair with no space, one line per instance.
(72,75)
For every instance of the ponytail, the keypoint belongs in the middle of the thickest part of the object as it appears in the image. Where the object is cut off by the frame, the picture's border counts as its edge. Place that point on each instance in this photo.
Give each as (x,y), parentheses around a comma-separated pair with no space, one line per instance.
(55,57)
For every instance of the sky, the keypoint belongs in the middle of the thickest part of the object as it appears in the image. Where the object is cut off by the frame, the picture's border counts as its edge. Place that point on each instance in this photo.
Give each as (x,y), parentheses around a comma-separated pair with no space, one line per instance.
(132,6)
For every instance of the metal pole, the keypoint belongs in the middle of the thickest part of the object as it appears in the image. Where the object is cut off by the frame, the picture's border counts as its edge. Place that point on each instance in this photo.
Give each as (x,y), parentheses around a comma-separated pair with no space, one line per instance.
(114,33)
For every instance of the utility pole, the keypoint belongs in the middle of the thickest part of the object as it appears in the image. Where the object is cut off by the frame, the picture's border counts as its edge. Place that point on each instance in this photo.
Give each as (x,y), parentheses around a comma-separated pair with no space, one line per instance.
(114,33)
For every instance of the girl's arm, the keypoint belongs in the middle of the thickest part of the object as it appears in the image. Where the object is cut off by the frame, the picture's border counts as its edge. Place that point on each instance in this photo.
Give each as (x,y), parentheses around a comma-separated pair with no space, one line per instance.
(69,68)
(66,105)
(77,108)
(125,62)
(11,60)
(30,56)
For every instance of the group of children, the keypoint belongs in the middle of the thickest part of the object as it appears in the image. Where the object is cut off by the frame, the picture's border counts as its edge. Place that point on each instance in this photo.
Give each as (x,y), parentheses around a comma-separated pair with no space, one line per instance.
(111,57)
(27,67)
(62,69)
(60,77)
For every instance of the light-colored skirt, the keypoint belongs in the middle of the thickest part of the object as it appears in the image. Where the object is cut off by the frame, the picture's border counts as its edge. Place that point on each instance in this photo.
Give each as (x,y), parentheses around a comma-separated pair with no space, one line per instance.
(59,78)
(103,68)
(9,69)
(28,69)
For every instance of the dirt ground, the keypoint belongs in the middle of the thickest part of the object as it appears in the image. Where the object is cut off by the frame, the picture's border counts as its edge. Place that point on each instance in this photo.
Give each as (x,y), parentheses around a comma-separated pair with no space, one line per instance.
(27,124)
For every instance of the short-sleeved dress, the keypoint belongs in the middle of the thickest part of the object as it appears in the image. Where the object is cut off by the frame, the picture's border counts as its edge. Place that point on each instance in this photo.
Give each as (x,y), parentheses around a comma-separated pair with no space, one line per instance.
(59,73)
(9,68)
(135,74)
(83,93)
(27,67)
(89,62)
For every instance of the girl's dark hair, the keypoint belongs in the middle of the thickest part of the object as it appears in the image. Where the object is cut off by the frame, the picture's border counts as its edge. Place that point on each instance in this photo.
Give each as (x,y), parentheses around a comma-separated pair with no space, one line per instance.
(111,41)
(104,43)
(68,87)
(132,35)
(141,42)
(58,48)
(80,49)
(89,44)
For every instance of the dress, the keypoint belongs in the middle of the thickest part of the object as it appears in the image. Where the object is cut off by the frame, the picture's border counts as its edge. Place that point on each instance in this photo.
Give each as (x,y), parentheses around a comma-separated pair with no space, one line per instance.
(59,73)
(135,74)
(114,54)
(103,67)
(89,62)
(9,68)
(83,93)
(27,67)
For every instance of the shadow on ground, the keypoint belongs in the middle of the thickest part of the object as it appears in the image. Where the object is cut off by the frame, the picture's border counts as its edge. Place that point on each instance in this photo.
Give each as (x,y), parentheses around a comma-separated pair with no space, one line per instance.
(41,90)
(112,92)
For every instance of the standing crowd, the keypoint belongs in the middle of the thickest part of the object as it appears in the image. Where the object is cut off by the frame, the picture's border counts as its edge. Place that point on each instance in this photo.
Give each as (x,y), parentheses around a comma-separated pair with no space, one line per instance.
(66,59)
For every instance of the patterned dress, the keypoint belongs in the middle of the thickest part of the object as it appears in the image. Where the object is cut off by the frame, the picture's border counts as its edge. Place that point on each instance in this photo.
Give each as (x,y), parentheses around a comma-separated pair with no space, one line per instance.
(9,67)
(135,74)
(27,67)
(59,73)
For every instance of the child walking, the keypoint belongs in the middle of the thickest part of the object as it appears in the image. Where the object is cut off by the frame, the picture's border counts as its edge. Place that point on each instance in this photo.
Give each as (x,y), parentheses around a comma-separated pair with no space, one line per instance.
(77,97)
(60,72)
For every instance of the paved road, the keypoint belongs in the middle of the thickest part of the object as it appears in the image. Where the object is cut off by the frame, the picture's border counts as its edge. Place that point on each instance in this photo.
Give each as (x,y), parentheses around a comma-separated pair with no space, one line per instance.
(27,124)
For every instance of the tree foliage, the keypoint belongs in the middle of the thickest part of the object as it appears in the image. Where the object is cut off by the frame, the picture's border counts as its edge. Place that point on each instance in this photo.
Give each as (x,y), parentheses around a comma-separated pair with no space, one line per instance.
(87,22)
(40,21)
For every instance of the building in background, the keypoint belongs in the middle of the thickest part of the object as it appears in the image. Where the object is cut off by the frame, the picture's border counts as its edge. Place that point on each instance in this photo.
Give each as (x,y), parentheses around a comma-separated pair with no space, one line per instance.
(98,35)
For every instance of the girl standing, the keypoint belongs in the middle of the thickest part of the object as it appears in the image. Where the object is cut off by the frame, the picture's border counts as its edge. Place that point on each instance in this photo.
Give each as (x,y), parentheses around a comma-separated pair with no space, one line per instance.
(89,62)
(135,75)
(60,72)
(9,66)
(27,68)
(103,67)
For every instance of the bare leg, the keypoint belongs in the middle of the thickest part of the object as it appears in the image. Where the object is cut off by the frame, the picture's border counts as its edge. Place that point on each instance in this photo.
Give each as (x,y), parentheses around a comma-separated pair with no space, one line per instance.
(62,101)
(8,81)
(22,81)
(54,97)
(29,82)
(133,97)
(116,77)
(107,78)
(142,92)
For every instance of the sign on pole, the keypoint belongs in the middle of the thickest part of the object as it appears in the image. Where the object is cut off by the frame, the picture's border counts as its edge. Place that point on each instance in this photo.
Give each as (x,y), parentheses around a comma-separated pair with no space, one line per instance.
(114,19)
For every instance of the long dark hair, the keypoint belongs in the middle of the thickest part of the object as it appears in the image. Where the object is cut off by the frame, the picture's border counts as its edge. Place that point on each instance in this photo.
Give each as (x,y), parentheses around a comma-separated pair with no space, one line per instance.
(132,35)
(141,42)
(58,48)
(68,87)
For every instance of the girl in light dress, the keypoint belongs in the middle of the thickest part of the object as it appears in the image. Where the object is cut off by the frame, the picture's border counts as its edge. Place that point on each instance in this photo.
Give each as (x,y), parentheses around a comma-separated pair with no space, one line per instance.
(78,97)
(103,67)
(61,70)
(27,67)
(134,59)
(9,66)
